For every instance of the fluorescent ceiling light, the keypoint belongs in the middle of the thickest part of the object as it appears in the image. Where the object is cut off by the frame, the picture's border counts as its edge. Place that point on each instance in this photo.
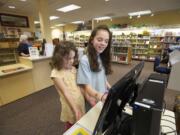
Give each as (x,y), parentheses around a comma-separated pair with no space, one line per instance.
(52,27)
(69,8)
(145,12)
(22,0)
(36,22)
(12,7)
(78,22)
(60,24)
(102,18)
(53,17)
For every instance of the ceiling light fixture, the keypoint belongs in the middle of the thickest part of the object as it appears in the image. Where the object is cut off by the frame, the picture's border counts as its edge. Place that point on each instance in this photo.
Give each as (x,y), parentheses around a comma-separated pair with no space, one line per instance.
(68,8)
(23,0)
(12,7)
(145,12)
(53,17)
(102,18)
(60,24)
(77,22)
(36,22)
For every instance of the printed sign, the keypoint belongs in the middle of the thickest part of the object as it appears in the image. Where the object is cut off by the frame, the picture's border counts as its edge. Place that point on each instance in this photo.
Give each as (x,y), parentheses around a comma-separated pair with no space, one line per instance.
(33,51)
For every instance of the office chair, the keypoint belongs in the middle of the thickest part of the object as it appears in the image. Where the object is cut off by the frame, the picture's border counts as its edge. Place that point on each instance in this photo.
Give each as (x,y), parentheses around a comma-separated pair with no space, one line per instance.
(158,68)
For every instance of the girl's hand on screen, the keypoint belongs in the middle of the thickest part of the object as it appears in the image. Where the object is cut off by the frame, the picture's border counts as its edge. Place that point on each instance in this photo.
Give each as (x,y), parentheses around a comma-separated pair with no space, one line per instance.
(92,101)
(104,96)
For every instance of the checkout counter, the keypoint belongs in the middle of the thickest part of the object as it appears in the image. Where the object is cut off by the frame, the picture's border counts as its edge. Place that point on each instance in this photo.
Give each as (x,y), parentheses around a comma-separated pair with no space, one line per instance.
(22,79)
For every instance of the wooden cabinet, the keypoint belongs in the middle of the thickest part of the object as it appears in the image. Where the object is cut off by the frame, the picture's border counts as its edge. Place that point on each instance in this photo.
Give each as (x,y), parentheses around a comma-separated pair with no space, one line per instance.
(8,52)
(8,56)
(33,76)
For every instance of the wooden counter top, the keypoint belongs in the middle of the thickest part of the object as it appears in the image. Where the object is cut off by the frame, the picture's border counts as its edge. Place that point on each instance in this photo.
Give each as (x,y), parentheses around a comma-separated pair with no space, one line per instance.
(13,69)
(37,58)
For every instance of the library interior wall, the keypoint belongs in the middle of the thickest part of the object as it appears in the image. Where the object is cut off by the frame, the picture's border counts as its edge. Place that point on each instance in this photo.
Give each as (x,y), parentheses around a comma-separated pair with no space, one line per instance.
(69,28)
(159,19)
(164,18)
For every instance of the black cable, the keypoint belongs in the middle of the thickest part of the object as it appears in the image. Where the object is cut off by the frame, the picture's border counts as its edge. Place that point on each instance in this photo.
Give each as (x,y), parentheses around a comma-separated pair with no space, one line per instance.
(164,104)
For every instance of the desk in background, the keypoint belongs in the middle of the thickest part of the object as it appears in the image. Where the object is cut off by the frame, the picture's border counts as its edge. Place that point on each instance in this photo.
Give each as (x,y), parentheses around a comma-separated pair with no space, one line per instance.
(24,78)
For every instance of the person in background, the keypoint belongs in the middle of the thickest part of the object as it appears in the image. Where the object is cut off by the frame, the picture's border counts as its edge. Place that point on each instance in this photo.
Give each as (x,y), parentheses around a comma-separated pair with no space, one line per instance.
(42,52)
(95,65)
(56,41)
(23,48)
(64,78)
(165,56)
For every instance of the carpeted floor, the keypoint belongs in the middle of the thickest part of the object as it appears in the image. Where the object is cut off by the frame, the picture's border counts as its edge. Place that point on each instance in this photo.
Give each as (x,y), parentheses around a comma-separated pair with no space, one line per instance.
(38,114)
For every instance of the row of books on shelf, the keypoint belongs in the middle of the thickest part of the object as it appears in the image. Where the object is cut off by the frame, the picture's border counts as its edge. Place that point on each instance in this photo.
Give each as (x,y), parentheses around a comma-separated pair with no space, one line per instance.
(148,58)
(124,59)
(133,42)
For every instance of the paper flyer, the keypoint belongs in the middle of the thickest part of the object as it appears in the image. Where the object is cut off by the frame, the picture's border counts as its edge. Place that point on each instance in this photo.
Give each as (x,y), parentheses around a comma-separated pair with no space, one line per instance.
(77,129)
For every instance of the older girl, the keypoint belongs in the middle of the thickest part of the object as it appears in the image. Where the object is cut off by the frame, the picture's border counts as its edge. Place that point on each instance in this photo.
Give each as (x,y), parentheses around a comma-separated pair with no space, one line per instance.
(96,64)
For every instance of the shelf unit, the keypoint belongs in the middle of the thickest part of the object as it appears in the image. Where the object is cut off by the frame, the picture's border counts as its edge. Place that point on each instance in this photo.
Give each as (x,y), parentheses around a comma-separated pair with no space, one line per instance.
(8,51)
(13,32)
(79,37)
(156,47)
(140,48)
(144,46)
(8,56)
(171,40)
(147,48)
(121,53)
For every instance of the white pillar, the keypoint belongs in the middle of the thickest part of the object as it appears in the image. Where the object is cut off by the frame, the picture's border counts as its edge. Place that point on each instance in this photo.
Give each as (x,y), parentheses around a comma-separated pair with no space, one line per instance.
(44,20)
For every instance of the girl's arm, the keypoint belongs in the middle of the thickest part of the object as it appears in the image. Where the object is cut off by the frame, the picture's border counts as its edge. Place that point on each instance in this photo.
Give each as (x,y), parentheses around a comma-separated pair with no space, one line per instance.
(91,100)
(108,85)
(61,87)
(91,93)
(25,55)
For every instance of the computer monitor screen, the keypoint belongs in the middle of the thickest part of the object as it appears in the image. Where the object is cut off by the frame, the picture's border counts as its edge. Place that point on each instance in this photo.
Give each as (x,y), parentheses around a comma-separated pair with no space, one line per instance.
(122,92)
